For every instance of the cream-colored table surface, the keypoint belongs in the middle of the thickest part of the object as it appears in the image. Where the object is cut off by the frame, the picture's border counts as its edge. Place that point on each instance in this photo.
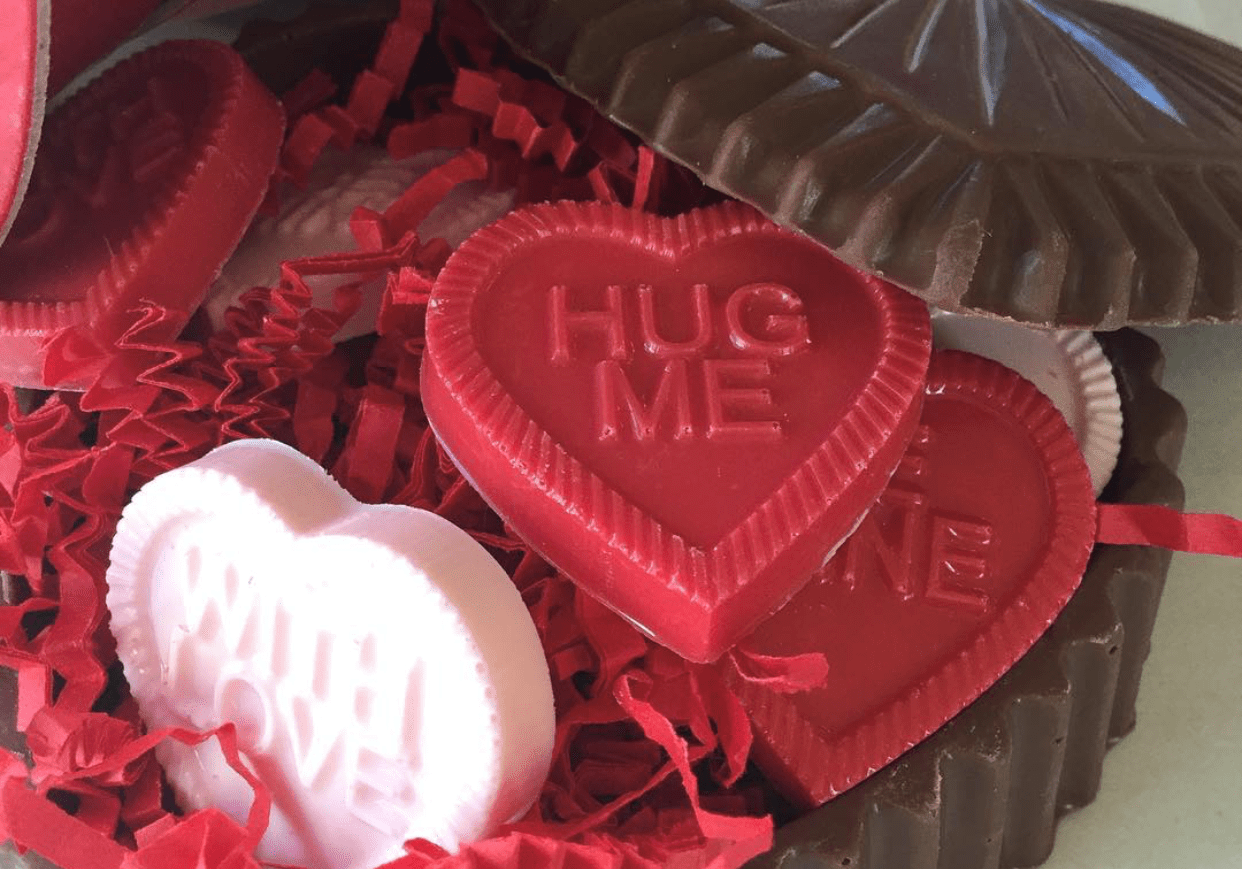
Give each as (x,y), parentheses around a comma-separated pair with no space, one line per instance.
(1172,790)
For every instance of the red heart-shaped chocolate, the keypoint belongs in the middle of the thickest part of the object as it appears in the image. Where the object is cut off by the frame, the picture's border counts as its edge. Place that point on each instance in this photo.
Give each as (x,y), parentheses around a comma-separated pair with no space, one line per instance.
(23,89)
(146,180)
(965,560)
(685,415)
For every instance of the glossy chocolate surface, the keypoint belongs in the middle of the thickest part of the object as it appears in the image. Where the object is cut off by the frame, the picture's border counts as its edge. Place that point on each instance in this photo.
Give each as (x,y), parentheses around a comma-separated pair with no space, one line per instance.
(1054,162)
(987,789)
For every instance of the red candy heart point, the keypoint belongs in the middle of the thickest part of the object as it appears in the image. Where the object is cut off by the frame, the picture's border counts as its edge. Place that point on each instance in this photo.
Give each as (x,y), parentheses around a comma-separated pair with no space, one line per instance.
(969,555)
(669,410)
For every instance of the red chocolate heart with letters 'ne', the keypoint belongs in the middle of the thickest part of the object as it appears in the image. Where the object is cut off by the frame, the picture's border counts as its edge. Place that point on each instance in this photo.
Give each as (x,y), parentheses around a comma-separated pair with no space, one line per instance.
(965,560)
(685,416)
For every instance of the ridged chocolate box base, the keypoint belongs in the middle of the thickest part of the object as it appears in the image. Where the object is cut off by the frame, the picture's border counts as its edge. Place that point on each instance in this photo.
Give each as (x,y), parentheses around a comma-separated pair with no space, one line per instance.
(986,790)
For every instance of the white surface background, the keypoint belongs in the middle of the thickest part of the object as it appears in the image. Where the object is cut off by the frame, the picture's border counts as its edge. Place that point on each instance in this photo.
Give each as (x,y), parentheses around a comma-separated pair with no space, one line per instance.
(1172,789)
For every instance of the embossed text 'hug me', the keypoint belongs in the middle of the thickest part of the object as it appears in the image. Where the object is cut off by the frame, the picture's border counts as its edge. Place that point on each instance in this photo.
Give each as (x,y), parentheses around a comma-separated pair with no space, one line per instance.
(712,381)
(668,410)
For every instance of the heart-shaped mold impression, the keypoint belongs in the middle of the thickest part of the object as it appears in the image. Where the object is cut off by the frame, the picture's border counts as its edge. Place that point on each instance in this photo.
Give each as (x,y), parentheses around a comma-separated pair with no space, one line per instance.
(672,411)
(965,560)
(383,674)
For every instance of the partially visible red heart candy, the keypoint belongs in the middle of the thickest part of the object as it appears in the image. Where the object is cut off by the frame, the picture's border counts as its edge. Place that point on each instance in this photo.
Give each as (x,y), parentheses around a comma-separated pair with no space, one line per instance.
(685,415)
(145,182)
(23,89)
(966,559)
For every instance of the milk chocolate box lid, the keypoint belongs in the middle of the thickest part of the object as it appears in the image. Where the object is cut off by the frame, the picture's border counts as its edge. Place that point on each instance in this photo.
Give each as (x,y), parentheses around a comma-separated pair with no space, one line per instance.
(1057,162)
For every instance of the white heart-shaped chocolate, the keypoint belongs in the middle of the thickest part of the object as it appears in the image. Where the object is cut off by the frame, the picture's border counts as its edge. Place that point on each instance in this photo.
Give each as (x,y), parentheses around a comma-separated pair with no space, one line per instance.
(383,673)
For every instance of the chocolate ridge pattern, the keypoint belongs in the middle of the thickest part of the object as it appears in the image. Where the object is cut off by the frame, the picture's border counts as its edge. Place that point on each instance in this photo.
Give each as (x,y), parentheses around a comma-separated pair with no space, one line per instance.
(471,409)
(1053,162)
(34,104)
(986,790)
